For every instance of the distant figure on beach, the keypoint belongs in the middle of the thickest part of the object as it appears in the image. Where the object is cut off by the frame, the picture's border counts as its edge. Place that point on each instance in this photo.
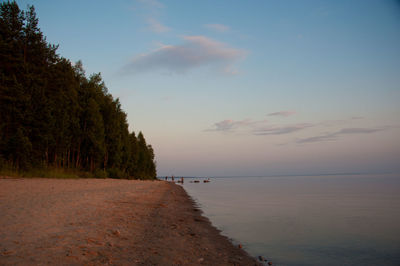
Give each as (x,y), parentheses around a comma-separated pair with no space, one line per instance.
(166,178)
(172,178)
(182,180)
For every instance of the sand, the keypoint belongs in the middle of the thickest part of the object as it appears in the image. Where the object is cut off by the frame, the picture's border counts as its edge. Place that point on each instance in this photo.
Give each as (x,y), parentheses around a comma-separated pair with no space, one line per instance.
(107,222)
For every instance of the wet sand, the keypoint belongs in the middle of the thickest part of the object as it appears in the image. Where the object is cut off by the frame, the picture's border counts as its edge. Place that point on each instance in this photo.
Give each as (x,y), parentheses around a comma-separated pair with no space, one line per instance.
(107,222)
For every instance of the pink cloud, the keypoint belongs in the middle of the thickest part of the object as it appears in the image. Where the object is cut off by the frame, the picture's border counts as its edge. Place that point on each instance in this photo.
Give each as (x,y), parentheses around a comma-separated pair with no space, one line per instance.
(195,51)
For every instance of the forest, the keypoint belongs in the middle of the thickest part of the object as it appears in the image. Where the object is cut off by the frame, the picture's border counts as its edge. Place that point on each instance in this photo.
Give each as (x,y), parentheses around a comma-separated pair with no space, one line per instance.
(52,116)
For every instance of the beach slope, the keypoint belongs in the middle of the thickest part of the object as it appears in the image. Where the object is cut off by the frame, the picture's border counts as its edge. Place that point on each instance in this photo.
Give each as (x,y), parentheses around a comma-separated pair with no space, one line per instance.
(106,221)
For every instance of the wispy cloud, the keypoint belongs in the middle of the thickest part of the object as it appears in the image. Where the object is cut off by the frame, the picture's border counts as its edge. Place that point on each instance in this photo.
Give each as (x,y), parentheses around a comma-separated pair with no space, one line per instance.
(282,113)
(195,51)
(326,137)
(156,26)
(280,130)
(344,131)
(264,128)
(150,11)
(217,27)
(360,130)
(225,125)
(340,122)
(231,125)
(256,127)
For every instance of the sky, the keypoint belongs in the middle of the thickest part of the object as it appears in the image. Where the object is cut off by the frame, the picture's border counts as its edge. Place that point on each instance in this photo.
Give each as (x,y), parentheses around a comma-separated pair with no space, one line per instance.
(245,88)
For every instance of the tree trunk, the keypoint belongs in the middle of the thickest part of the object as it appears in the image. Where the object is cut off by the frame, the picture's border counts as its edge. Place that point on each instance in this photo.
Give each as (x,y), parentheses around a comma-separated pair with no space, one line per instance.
(91,165)
(47,156)
(105,160)
(77,155)
(68,157)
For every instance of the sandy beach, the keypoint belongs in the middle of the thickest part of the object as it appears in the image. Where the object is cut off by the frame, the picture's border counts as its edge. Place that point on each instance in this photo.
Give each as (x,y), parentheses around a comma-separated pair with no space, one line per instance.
(107,222)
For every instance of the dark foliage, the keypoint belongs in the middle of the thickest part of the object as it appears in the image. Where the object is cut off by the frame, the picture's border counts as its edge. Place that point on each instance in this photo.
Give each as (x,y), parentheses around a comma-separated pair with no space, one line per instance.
(51,114)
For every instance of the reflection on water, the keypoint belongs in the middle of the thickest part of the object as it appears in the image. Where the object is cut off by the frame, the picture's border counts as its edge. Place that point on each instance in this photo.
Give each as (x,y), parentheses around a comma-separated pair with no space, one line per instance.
(317,220)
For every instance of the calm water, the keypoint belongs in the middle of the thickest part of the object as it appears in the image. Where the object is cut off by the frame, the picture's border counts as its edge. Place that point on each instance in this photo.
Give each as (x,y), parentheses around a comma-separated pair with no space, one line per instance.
(316,220)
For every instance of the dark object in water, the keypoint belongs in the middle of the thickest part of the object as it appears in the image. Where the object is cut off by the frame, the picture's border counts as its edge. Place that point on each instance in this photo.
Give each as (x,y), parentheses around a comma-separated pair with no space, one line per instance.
(196,181)
(206,180)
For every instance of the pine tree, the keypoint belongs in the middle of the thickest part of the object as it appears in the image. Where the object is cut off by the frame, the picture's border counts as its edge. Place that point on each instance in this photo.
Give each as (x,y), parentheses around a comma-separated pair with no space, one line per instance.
(51,114)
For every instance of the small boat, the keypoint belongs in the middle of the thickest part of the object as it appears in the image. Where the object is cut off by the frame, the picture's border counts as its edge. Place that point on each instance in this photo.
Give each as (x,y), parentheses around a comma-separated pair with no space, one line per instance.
(206,180)
(196,181)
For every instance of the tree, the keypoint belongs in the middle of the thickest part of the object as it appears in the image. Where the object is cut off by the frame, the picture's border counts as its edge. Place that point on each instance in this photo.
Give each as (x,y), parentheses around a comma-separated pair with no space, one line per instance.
(51,114)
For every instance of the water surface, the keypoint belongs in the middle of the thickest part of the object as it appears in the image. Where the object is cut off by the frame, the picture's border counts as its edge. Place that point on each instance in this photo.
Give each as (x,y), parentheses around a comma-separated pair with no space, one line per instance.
(308,220)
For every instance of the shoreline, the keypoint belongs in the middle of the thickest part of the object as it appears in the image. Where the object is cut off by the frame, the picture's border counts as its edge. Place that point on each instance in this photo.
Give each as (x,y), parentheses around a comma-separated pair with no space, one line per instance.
(107,222)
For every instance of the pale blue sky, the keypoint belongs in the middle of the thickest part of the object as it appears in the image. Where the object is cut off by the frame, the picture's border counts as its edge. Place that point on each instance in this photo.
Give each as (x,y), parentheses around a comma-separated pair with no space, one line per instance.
(202,78)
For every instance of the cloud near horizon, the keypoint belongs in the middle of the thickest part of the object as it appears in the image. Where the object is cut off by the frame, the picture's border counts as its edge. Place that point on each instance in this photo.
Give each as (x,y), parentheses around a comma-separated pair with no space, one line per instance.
(282,113)
(231,125)
(263,128)
(195,51)
(257,128)
(280,130)
(344,131)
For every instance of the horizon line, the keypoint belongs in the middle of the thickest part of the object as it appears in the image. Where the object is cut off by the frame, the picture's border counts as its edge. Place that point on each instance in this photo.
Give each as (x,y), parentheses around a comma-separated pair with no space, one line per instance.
(282,175)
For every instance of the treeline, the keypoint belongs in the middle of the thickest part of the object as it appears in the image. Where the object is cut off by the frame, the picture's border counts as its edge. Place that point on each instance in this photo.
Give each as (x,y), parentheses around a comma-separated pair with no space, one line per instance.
(52,115)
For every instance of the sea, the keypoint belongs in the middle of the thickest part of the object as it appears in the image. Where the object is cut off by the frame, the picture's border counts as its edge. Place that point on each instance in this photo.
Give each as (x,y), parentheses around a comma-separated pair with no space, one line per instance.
(307,220)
